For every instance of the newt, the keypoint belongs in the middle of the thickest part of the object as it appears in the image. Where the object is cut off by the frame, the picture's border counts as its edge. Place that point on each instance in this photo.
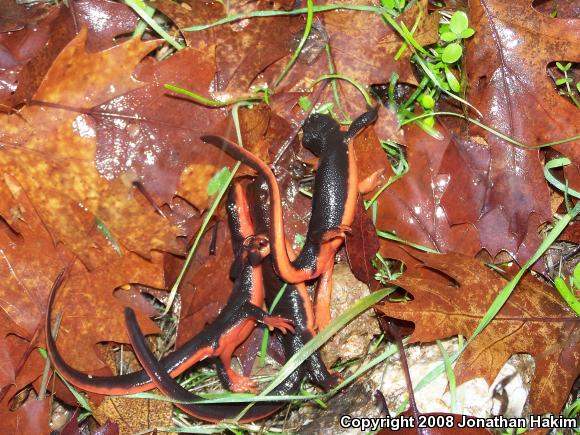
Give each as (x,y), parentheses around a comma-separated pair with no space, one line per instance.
(336,187)
(231,327)
(313,367)
(295,301)
(294,304)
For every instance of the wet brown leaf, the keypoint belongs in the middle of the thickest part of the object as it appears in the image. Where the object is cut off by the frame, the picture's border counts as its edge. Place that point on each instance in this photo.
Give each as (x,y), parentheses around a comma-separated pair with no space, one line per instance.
(362,245)
(238,67)
(411,207)
(133,415)
(31,417)
(506,65)
(362,47)
(15,17)
(470,198)
(48,143)
(92,314)
(191,13)
(26,53)
(534,320)
(119,18)
(159,131)
(563,8)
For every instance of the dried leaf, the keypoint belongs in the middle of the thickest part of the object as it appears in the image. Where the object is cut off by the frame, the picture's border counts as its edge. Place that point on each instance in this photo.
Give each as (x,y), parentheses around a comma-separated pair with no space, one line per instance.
(31,417)
(133,415)
(534,320)
(362,245)
(92,314)
(59,145)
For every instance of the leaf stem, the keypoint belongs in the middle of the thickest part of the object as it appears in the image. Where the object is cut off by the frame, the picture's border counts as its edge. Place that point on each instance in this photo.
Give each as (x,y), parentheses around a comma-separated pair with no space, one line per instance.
(299,11)
(352,81)
(307,28)
(491,130)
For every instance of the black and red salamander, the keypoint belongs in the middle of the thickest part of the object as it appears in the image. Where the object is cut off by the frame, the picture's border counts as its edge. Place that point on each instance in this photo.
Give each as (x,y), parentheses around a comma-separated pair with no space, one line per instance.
(294,303)
(336,187)
(231,327)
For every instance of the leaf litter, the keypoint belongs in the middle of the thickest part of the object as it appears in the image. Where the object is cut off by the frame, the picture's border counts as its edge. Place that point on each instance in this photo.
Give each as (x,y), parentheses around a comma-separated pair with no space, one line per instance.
(90,138)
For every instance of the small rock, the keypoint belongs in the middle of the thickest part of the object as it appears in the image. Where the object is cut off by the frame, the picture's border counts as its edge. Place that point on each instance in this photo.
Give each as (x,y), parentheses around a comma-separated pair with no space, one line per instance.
(353,340)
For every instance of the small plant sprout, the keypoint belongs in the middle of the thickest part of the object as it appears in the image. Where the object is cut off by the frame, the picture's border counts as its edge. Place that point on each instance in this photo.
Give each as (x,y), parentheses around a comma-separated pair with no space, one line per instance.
(324,108)
(438,65)
(395,5)
(427,102)
(218,181)
(450,49)
(453,33)
(563,83)
(304,103)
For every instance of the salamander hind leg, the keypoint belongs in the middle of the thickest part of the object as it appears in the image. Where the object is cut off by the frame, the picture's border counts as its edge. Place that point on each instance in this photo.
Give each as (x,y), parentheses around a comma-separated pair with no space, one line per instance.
(323,298)
(236,382)
(371,182)
(321,375)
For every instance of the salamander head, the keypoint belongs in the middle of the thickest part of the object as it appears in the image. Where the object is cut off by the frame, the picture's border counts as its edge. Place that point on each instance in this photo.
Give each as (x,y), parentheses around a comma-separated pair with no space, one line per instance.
(256,248)
(320,131)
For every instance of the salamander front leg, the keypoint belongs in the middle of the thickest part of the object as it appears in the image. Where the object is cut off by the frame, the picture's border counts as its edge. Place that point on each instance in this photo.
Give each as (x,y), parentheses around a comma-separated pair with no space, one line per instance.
(272,322)
(371,182)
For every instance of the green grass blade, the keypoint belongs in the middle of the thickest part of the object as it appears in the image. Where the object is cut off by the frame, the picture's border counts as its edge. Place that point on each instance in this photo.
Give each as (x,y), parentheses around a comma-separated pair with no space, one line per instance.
(207,101)
(227,398)
(450,377)
(80,398)
(390,236)
(133,4)
(323,336)
(559,163)
(388,352)
(353,82)
(271,13)
(567,295)
(508,289)
(491,130)
(107,234)
(332,70)
(307,28)
(142,25)
(266,335)
(378,193)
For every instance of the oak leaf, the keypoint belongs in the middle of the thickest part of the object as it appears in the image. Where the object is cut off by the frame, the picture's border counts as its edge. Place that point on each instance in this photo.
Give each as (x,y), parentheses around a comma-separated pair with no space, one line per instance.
(50,151)
(506,63)
(412,208)
(134,415)
(362,245)
(534,320)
